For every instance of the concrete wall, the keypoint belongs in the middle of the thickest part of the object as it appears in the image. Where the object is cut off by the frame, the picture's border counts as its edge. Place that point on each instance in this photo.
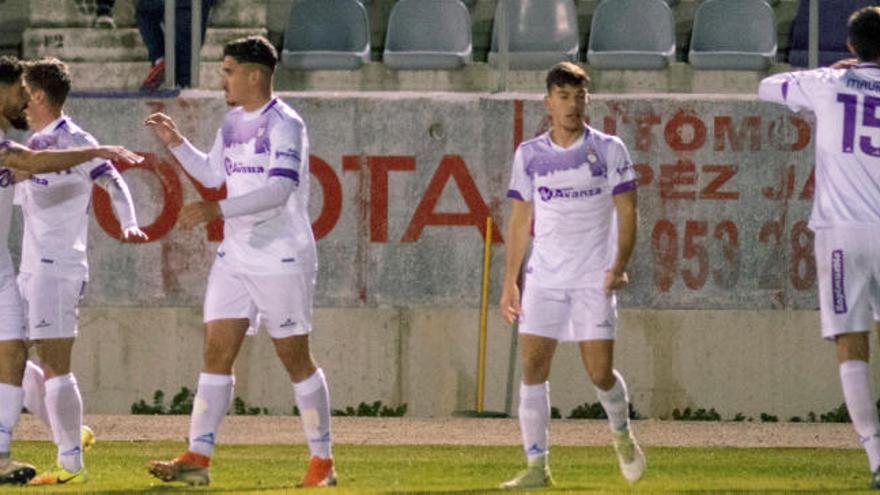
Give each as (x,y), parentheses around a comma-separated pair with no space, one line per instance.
(737,361)
(720,313)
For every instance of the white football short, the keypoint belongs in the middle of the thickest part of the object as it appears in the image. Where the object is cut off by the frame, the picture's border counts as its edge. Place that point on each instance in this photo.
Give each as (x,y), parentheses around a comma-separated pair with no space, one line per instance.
(282,302)
(51,305)
(11,314)
(848,270)
(568,315)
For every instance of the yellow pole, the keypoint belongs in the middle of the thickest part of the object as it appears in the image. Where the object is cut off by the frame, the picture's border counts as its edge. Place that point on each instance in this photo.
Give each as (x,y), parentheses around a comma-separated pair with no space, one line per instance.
(484,315)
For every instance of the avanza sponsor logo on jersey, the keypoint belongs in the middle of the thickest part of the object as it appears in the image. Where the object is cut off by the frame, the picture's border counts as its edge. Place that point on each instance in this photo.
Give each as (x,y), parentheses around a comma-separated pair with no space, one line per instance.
(237,168)
(565,193)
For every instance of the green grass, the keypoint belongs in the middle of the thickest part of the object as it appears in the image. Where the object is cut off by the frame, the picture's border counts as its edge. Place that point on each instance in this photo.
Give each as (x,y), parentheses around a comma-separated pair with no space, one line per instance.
(118,467)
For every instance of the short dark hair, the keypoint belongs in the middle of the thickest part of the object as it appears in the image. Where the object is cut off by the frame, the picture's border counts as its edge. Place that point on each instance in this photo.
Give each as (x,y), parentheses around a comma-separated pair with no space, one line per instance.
(566,74)
(864,33)
(252,50)
(50,75)
(11,69)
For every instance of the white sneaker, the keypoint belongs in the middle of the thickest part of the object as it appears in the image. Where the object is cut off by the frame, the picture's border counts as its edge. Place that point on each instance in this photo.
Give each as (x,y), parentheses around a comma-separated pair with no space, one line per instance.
(629,455)
(530,478)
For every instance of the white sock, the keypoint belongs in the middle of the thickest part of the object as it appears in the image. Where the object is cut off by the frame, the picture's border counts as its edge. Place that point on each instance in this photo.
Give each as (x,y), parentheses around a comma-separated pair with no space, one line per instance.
(313,399)
(34,385)
(11,398)
(65,409)
(534,419)
(210,405)
(615,401)
(855,377)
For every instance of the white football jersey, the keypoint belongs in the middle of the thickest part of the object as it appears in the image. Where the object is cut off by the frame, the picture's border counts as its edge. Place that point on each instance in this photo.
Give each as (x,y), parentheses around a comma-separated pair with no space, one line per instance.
(56,205)
(847,107)
(572,191)
(6,197)
(249,149)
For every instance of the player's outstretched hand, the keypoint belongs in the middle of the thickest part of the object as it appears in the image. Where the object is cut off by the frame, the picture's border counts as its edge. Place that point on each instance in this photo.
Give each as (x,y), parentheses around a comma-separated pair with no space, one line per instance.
(133,234)
(118,154)
(847,63)
(509,305)
(200,212)
(165,128)
(615,280)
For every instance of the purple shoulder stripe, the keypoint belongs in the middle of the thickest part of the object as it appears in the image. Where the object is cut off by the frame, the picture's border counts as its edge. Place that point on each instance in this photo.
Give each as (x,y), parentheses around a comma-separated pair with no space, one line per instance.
(513,194)
(285,172)
(630,185)
(269,106)
(100,170)
(785,90)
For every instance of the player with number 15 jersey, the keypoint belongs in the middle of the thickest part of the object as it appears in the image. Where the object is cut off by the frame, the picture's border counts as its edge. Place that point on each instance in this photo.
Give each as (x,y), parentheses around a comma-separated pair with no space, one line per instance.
(846,210)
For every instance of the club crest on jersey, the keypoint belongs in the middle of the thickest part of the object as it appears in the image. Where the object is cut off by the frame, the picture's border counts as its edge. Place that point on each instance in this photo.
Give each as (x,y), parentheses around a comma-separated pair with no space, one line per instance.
(548,193)
(591,157)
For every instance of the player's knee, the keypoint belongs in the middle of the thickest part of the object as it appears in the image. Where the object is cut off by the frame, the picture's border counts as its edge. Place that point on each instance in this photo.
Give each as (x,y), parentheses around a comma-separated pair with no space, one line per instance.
(218,359)
(602,379)
(852,346)
(535,369)
(13,356)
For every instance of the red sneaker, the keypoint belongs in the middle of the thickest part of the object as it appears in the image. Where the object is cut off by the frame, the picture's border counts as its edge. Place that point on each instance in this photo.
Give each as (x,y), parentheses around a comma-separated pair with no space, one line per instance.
(320,473)
(155,78)
(189,467)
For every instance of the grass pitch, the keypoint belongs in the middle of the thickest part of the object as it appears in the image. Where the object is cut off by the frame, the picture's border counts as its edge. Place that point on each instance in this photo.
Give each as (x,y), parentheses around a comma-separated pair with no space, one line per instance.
(119,467)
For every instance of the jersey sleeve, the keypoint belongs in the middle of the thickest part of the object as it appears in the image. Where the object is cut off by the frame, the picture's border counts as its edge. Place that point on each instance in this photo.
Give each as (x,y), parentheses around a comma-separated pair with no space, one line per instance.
(796,90)
(205,168)
(287,140)
(93,168)
(521,184)
(621,174)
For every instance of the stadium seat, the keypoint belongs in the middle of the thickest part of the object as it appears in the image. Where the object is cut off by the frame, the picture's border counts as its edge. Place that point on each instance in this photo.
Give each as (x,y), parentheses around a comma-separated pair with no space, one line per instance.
(733,34)
(632,34)
(326,34)
(833,31)
(428,34)
(541,33)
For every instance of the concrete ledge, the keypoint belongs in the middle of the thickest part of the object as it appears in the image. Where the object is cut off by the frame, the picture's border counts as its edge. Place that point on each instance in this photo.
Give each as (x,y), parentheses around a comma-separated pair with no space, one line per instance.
(375,76)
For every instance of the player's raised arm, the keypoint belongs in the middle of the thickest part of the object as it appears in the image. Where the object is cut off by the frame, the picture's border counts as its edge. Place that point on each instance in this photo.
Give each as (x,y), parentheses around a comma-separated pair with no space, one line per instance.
(797,90)
(200,165)
(45,161)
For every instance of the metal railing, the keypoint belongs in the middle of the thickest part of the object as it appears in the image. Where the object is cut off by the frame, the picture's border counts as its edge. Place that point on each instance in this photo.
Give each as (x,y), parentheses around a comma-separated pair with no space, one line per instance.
(813,44)
(195,42)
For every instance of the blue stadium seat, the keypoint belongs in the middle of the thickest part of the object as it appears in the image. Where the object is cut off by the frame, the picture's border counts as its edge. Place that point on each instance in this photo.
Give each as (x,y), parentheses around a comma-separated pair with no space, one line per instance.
(733,34)
(632,34)
(428,34)
(326,34)
(541,33)
(833,31)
